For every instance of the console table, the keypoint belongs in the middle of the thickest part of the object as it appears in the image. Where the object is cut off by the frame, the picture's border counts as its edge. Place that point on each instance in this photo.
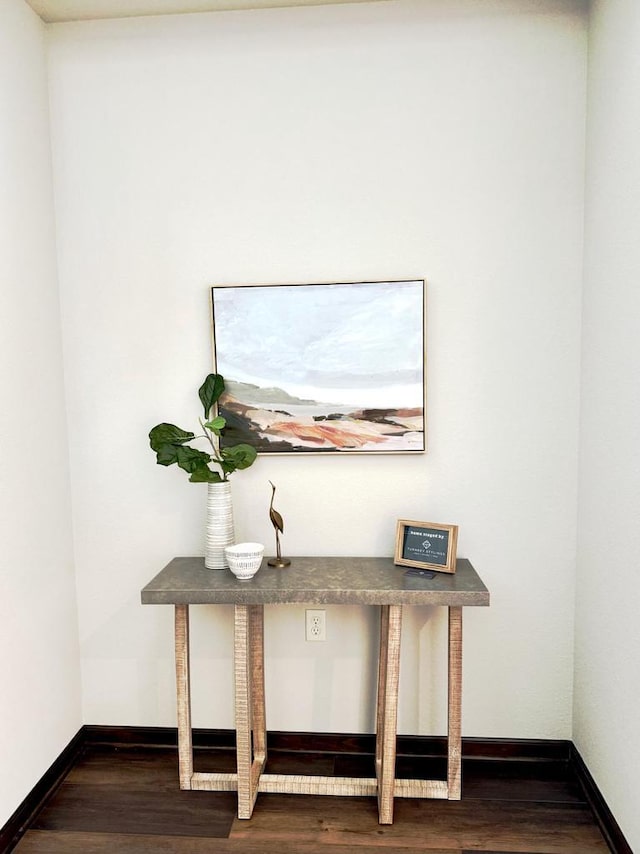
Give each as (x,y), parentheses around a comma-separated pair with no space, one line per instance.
(320,581)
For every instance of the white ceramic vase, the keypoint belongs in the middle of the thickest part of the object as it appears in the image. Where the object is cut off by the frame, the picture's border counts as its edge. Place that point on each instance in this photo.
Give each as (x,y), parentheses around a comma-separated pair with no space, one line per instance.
(219,525)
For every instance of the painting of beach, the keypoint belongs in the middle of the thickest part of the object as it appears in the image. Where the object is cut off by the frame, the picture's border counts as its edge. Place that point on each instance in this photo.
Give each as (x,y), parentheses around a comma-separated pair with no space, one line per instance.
(323,368)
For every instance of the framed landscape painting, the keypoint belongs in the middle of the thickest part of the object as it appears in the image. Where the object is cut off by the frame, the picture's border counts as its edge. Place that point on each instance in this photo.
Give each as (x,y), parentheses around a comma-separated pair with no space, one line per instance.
(322,368)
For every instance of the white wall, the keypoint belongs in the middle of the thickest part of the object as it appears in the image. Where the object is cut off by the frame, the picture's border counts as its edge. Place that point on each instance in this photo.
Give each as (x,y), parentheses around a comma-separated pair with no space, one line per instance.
(607,704)
(39,653)
(376,141)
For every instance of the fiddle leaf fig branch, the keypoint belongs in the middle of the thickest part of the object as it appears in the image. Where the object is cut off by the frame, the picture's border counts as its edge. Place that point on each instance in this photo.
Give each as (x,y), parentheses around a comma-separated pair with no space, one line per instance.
(169,442)
(210,391)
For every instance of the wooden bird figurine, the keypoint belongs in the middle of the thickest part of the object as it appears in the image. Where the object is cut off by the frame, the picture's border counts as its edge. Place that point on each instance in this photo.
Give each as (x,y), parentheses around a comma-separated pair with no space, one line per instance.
(278,524)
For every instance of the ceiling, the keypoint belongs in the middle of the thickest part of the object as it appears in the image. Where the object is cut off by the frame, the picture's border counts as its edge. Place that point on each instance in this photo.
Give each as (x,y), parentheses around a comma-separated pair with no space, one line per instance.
(55,11)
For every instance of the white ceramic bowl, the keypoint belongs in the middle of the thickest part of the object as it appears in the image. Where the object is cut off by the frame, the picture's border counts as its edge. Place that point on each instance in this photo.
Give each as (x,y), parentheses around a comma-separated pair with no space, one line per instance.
(244,559)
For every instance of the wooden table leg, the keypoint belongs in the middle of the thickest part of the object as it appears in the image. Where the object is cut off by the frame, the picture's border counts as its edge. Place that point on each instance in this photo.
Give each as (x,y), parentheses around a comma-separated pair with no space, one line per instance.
(454,755)
(387,709)
(249,697)
(243,709)
(185,748)
(382,683)
(259,725)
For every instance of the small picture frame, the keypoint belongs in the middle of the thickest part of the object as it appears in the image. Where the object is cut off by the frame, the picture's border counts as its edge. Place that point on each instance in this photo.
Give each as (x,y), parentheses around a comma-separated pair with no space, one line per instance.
(427,545)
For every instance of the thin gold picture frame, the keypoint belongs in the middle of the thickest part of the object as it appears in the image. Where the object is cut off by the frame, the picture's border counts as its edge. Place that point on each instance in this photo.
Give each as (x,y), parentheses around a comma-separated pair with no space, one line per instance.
(365,428)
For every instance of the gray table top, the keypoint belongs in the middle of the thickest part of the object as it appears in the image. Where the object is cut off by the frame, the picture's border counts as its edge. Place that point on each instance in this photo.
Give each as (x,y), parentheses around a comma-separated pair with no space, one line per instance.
(315,580)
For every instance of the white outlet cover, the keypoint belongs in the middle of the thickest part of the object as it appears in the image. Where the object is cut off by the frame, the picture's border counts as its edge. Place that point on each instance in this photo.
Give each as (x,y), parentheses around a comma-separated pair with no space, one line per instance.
(315,624)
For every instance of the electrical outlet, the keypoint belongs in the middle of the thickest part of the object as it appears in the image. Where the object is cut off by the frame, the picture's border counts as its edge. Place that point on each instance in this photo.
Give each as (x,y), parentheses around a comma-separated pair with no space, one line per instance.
(316,625)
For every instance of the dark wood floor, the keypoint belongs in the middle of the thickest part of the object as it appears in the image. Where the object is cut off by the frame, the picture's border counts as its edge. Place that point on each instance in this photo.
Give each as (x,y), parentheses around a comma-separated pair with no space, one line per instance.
(127,800)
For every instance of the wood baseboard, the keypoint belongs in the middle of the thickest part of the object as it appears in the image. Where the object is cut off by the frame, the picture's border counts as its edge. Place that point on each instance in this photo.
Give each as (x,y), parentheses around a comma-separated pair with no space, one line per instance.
(501,753)
(603,815)
(19,822)
(407,745)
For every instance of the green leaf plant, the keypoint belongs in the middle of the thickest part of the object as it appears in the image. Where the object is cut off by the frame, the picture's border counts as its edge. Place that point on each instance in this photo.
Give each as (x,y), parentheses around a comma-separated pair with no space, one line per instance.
(170,442)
